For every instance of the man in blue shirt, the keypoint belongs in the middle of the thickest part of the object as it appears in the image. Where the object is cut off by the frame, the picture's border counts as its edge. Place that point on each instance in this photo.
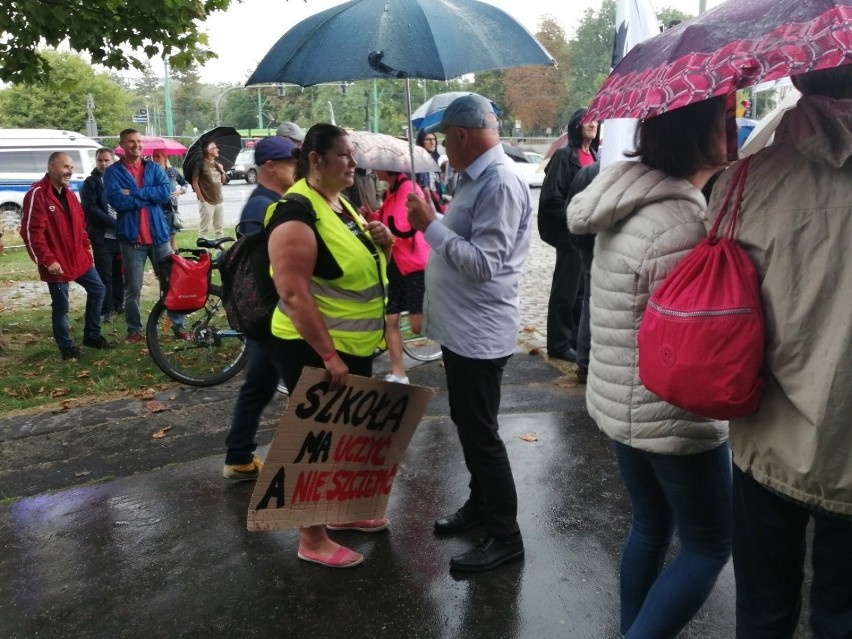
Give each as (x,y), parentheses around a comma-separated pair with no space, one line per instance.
(276,172)
(471,308)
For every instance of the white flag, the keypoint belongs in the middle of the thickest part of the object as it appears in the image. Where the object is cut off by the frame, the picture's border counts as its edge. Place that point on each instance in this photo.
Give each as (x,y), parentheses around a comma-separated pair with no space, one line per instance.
(635,21)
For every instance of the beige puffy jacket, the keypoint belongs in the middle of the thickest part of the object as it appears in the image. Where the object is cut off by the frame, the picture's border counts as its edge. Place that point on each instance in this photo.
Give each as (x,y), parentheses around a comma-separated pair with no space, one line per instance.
(796,225)
(646,223)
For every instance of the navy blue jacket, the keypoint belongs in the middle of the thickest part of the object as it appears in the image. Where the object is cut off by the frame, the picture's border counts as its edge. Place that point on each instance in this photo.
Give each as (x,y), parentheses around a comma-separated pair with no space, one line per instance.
(96,208)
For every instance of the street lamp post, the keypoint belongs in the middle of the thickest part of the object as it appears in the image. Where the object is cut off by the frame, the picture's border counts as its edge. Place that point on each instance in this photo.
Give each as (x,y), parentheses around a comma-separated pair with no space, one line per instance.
(219,100)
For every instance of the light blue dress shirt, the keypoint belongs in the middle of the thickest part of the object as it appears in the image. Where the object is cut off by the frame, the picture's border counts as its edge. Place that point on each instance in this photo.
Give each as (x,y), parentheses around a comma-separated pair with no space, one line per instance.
(474,269)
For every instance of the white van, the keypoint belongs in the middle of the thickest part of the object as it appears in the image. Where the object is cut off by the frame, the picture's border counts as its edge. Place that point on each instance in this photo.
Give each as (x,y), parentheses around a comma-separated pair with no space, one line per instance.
(23,160)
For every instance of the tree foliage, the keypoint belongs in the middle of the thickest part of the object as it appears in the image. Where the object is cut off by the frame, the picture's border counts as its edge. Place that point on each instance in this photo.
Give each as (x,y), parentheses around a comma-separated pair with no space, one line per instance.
(114,33)
(61,104)
(590,55)
(535,95)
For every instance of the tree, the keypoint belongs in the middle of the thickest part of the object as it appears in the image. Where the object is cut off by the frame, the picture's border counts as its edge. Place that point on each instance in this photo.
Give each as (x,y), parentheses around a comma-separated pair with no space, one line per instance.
(590,56)
(535,95)
(193,101)
(113,33)
(62,103)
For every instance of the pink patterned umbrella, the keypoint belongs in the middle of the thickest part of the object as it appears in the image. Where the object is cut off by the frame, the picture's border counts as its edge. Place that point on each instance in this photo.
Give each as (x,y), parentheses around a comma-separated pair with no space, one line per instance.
(734,45)
(151,143)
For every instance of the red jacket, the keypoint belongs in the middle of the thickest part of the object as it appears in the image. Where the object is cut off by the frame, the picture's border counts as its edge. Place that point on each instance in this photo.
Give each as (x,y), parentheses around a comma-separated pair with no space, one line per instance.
(52,236)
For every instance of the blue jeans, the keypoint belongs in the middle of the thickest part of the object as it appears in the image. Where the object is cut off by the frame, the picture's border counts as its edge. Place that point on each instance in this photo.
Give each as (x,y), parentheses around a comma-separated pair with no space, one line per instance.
(134,256)
(690,493)
(91,282)
(271,360)
(769,564)
(257,391)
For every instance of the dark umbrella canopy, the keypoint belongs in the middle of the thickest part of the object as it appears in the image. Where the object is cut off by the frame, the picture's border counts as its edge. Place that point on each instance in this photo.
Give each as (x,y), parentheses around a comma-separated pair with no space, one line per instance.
(428,39)
(734,45)
(225,137)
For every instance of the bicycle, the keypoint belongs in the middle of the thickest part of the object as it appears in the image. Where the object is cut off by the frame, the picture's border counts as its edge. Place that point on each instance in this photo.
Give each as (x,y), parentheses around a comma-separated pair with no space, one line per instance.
(417,346)
(206,351)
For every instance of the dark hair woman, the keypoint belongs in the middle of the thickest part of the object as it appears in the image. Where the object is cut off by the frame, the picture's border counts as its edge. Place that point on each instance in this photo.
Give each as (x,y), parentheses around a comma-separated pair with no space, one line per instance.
(676,466)
(329,267)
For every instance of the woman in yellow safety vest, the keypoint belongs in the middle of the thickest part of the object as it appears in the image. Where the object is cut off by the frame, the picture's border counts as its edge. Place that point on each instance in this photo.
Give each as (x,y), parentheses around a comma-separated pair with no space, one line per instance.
(329,267)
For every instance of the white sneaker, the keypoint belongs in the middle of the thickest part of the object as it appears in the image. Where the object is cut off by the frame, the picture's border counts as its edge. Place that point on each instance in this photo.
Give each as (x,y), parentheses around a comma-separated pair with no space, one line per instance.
(396,379)
(282,389)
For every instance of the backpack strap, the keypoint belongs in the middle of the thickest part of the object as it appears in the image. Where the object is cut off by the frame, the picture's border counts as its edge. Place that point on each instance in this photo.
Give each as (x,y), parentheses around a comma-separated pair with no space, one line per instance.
(732,201)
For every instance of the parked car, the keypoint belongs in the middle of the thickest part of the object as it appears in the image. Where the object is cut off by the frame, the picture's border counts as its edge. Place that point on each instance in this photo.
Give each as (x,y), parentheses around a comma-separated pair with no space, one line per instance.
(244,167)
(529,164)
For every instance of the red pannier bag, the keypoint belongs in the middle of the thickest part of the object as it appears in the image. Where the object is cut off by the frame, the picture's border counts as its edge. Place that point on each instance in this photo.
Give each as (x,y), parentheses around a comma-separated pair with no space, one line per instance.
(184,282)
(701,339)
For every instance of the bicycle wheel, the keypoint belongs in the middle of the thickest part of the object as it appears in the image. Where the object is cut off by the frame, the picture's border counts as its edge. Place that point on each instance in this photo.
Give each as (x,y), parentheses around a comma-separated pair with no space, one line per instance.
(416,346)
(208,353)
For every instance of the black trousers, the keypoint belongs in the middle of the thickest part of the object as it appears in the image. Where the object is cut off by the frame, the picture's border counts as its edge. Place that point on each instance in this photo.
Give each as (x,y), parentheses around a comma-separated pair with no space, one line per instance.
(562,308)
(474,396)
(107,258)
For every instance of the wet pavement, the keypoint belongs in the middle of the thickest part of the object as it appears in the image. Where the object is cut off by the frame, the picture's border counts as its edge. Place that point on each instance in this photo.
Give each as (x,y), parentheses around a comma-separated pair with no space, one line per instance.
(159,547)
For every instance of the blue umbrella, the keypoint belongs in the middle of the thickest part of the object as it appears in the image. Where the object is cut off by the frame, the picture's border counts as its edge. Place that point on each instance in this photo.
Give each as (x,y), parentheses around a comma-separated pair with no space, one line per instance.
(428,39)
(431,111)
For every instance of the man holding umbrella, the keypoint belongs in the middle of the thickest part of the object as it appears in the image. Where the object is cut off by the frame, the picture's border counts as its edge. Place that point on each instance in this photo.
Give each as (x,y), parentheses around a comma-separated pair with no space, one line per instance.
(471,308)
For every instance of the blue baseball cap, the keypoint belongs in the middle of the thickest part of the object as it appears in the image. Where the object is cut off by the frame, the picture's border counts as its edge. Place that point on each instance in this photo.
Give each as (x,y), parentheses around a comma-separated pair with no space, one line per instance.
(472,111)
(274,148)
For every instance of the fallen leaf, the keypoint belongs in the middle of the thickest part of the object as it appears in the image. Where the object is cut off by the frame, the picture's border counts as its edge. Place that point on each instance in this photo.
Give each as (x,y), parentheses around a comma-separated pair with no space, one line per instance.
(156,407)
(534,351)
(162,432)
(66,404)
(59,392)
(172,397)
(82,473)
(82,374)
(529,437)
(529,329)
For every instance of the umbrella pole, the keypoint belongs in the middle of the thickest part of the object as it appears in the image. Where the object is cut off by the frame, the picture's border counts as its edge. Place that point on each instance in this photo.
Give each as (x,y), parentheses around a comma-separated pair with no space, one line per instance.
(410,125)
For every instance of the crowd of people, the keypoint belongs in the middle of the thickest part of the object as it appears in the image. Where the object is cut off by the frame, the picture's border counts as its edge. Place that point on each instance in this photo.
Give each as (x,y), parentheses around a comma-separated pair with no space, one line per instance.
(452,258)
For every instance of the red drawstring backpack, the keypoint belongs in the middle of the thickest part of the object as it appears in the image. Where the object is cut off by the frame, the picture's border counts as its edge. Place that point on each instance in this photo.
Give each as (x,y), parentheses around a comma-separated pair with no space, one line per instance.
(701,339)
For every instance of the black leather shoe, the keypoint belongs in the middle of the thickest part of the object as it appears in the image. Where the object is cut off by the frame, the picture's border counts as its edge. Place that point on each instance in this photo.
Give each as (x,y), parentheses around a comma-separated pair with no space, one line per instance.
(462,519)
(490,553)
(98,342)
(568,356)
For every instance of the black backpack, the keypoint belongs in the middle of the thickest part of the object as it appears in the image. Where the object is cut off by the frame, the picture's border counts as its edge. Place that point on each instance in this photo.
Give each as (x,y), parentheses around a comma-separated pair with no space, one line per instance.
(248,292)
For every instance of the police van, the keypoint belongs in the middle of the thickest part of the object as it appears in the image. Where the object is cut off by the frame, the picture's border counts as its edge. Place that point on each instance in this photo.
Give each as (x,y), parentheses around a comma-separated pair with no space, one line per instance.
(23,161)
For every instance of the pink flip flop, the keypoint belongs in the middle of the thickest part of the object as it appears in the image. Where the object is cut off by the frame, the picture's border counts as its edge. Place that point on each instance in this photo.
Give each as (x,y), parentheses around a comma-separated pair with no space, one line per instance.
(365,525)
(343,558)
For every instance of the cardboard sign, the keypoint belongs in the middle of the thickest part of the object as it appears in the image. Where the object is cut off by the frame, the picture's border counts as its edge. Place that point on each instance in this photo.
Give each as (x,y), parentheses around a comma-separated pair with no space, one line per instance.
(335,454)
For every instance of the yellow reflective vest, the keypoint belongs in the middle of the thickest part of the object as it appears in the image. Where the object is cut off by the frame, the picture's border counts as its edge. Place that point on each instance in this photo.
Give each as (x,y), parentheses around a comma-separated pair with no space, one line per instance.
(353,305)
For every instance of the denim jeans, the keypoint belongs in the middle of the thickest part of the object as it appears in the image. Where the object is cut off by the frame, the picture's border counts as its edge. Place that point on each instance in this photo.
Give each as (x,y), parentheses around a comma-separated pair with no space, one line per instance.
(257,391)
(689,493)
(91,282)
(134,257)
(584,332)
(769,564)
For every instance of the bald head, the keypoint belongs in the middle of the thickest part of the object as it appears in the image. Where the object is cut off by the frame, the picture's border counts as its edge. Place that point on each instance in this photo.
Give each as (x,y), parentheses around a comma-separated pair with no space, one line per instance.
(465,144)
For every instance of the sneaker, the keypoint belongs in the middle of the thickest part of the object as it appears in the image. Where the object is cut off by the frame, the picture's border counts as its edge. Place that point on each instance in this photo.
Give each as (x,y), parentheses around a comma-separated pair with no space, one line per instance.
(281,388)
(72,353)
(243,472)
(98,342)
(396,379)
(366,525)
(133,337)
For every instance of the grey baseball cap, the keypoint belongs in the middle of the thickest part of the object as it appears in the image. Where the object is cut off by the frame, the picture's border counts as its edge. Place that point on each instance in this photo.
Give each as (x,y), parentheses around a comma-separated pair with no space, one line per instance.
(291,130)
(471,111)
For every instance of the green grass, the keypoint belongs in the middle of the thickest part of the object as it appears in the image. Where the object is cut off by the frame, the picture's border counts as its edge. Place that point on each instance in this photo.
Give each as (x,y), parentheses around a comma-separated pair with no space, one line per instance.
(32,372)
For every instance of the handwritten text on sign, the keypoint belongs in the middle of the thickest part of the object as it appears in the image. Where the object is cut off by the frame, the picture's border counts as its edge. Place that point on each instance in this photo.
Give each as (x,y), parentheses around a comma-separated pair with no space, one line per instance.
(335,454)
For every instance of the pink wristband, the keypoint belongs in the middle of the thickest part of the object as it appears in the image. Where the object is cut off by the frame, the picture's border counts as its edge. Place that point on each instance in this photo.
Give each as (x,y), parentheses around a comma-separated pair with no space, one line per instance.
(328,358)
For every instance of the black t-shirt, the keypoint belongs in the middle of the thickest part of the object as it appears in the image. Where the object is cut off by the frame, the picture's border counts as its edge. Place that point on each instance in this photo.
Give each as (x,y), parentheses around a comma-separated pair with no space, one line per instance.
(326,266)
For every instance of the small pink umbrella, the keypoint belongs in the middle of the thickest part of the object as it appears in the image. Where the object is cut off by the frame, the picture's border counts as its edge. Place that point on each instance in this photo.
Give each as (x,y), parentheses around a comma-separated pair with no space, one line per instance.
(151,143)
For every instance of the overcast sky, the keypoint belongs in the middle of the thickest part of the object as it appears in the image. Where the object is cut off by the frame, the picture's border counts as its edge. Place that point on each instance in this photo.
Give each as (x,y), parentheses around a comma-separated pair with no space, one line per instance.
(243,34)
